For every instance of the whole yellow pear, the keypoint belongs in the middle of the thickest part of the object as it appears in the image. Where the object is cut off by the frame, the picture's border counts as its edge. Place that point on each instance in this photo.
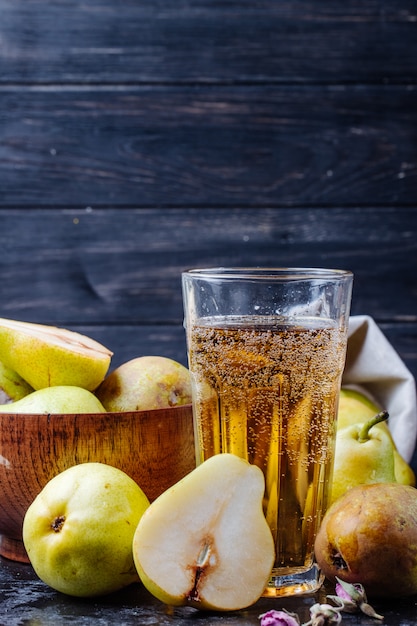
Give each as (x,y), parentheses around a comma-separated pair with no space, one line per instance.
(78,531)
(355,407)
(144,383)
(56,400)
(363,454)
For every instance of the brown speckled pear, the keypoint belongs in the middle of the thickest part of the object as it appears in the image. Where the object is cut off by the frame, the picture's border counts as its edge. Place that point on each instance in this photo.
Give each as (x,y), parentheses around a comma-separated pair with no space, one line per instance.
(369,536)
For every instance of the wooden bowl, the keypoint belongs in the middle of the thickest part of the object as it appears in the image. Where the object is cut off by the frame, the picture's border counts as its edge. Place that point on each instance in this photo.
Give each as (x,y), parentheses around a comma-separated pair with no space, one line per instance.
(155,448)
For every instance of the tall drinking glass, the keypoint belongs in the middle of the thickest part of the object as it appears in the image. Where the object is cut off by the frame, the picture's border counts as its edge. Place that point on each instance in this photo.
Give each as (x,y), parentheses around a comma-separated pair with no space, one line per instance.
(266,350)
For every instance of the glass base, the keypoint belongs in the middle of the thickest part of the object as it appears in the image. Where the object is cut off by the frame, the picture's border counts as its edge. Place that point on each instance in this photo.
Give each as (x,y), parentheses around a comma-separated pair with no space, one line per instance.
(288,582)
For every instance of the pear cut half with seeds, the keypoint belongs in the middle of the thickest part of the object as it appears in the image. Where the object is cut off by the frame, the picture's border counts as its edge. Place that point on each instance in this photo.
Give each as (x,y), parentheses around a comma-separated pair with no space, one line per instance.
(47,356)
(205,541)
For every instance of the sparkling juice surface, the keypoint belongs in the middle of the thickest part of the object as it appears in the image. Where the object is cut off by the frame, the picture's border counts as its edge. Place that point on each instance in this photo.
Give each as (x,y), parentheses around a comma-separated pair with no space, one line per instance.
(267,390)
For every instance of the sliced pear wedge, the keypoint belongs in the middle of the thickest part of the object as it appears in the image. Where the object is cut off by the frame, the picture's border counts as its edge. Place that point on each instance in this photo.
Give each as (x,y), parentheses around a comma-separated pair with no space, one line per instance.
(205,541)
(45,356)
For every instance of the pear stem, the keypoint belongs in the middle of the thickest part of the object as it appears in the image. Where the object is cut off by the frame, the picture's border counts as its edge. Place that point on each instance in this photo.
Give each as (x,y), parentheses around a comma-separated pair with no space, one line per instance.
(377,419)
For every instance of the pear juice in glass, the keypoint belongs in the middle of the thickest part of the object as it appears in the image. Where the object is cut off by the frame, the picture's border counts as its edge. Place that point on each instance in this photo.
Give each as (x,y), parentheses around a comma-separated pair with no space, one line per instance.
(266,350)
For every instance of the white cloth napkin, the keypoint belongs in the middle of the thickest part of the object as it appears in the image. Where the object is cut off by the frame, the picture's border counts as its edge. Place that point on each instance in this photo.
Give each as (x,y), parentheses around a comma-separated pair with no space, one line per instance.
(374,367)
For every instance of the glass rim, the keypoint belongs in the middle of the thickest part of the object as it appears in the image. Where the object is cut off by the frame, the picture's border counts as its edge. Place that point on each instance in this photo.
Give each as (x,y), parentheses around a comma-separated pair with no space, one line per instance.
(268,273)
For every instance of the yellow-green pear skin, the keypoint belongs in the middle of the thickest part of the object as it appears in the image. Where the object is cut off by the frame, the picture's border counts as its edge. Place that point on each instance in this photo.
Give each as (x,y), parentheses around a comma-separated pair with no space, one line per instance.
(404,474)
(369,536)
(360,462)
(46,356)
(354,408)
(205,541)
(145,383)
(56,400)
(78,531)
(12,386)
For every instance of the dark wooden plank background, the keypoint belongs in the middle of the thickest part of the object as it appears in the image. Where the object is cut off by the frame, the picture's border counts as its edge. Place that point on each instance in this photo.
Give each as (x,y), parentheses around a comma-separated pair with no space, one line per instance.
(138,139)
(211,146)
(233,41)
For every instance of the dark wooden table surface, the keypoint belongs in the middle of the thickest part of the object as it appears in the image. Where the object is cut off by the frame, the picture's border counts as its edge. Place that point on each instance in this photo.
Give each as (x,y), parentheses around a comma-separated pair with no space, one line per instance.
(26,601)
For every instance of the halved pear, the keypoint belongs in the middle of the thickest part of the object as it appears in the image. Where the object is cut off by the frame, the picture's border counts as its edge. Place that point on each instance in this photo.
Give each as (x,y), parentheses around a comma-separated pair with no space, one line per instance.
(205,541)
(45,356)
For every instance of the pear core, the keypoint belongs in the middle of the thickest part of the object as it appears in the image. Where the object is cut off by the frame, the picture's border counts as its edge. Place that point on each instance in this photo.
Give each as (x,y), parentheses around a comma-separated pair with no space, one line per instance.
(205,541)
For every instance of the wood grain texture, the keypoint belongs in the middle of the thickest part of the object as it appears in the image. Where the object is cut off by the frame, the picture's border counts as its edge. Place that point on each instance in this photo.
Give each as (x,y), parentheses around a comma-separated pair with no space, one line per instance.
(206,146)
(154,41)
(124,266)
(35,448)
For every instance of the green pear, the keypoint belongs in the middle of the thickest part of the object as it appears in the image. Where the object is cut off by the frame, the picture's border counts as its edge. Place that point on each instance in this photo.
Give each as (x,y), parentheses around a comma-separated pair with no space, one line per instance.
(56,400)
(205,541)
(355,407)
(369,536)
(404,474)
(45,356)
(147,382)
(12,386)
(364,454)
(78,531)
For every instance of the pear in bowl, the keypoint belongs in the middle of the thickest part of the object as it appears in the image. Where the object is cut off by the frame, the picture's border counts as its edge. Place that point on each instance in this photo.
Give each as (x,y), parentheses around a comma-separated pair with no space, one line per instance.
(58,421)
(46,356)
(146,382)
(12,386)
(155,448)
(60,399)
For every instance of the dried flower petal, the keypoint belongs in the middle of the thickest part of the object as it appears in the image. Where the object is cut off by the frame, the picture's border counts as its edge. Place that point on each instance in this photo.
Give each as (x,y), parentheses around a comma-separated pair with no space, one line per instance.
(370,611)
(343,594)
(346,605)
(354,598)
(279,618)
(324,615)
(347,591)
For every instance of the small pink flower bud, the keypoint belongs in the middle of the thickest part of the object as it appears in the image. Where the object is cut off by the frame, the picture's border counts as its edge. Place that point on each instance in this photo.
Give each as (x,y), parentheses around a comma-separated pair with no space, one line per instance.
(352,593)
(279,618)
(353,599)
